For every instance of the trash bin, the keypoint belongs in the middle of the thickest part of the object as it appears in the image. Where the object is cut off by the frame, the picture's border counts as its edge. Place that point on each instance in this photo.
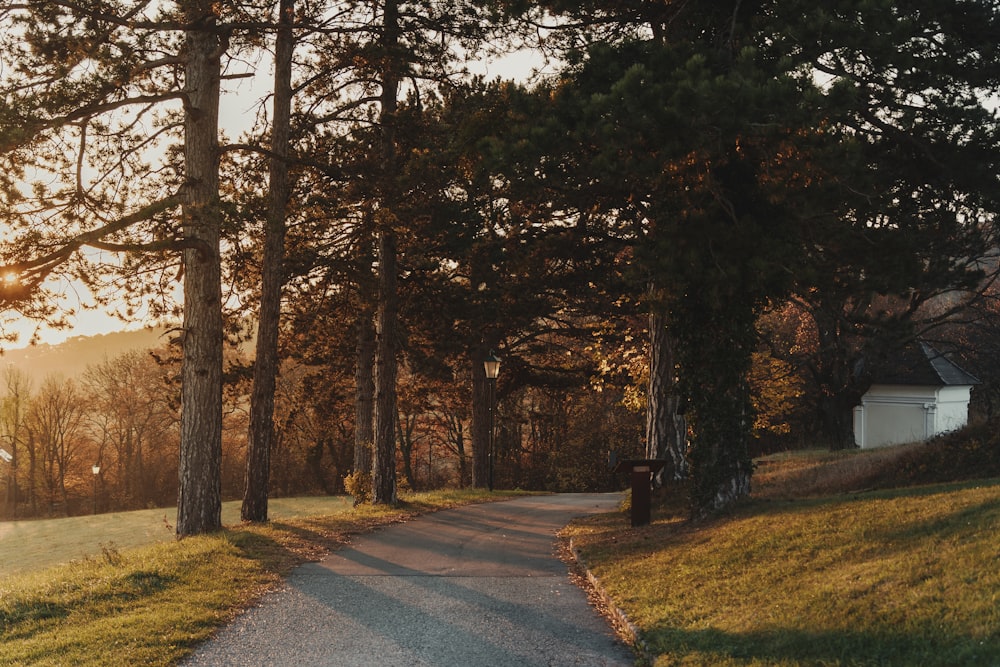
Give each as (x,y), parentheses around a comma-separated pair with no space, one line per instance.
(641,473)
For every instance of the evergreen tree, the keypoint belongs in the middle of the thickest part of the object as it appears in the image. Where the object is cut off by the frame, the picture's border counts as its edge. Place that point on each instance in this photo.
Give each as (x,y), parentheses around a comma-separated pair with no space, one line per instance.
(903,163)
(260,438)
(117,82)
(757,164)
(495,268)
(374,62)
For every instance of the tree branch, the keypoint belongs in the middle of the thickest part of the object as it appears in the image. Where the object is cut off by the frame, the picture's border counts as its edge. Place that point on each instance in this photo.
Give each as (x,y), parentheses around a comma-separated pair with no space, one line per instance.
(30,273)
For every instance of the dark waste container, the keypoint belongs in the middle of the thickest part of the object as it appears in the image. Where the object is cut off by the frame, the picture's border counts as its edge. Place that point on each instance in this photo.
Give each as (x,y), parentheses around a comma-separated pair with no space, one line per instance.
(641,473)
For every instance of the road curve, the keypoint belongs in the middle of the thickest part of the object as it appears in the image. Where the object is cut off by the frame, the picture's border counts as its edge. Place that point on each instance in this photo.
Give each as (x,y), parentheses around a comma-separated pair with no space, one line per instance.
(476,585)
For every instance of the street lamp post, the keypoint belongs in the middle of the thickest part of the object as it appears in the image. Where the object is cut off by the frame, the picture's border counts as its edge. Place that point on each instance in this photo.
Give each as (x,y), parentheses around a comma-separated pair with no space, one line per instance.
(96,469)
(8,458)
(11,492)
(492,366)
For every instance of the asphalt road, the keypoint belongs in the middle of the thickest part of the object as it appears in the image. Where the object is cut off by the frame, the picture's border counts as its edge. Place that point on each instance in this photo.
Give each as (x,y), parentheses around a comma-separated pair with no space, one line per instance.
(477,585)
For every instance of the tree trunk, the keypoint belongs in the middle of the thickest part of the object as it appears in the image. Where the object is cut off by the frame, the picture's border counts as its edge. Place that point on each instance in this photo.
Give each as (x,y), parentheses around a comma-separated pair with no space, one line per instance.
(384,455)
(406,447)
(725,477)
(666,431)
(836,418)
(12,480)
(266,360)
(32,470)
(364,379)
(720,460)
(715,352)
(838,390)
(142,494)
(463,459)
(199,503)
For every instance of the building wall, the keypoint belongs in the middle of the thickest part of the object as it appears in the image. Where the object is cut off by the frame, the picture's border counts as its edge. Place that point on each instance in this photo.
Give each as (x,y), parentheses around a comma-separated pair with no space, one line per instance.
(953,408)
(895,414)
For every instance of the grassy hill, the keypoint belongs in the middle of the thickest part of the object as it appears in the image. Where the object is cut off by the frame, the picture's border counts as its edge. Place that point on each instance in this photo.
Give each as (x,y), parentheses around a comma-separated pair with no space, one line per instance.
(70,358)
(29,546)
(972,453)
(888,557)
(884,557)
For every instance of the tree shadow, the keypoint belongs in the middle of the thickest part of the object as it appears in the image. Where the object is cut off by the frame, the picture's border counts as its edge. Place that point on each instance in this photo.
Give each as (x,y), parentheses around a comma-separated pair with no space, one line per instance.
(796,647)
(452,620)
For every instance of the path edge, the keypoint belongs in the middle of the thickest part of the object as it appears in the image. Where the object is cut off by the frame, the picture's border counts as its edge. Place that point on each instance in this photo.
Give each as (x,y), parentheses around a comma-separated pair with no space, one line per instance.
(625,627)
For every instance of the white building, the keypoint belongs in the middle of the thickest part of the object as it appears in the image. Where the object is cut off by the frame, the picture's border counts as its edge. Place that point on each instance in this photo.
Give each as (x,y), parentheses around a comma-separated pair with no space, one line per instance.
(921,395)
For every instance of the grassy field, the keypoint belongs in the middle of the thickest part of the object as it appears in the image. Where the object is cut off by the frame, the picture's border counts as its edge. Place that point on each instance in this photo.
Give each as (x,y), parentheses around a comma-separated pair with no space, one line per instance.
(818,569)
(859,558)
(34,545)
(150,603)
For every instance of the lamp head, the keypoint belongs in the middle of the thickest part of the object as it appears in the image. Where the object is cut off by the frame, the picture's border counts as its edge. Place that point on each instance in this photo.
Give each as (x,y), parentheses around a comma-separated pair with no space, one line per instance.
(492,366)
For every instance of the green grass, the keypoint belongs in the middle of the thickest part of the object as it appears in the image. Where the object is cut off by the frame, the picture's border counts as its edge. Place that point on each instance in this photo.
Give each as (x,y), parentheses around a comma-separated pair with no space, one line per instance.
(828,564)
(905,576)
(33,545)
(152,604)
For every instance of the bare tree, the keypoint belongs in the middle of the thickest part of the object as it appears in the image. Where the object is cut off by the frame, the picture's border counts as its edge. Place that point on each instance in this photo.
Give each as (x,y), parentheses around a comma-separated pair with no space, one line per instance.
(130,422)
(13,426)
(55,421)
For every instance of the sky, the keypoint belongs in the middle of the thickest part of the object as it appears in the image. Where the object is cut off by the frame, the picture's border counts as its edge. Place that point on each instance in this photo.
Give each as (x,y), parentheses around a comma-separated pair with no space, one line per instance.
(236,112)
(85,322)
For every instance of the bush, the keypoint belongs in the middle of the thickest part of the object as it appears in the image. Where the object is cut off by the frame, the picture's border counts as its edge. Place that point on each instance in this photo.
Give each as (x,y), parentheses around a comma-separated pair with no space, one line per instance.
(971,453)
(359,485)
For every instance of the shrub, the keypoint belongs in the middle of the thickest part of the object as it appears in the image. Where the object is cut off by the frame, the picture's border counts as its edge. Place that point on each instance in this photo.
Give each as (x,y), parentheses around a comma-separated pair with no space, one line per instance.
(359,485)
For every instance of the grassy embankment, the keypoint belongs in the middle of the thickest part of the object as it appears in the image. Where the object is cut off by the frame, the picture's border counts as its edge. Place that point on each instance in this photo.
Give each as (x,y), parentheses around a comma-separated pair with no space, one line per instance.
(878,558)
(889,557)
(122,602)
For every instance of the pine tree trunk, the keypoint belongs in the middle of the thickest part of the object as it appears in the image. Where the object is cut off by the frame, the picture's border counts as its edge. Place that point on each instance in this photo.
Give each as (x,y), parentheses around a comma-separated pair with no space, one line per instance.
(723,476)
(666,431)
(364,381)
(384,454)
(838,389)
(716,353)
(721,465)
(266,359)
(199,504)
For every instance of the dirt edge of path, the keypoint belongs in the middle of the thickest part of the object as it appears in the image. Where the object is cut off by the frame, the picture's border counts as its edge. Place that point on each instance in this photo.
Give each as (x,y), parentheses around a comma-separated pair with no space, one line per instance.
(602,601)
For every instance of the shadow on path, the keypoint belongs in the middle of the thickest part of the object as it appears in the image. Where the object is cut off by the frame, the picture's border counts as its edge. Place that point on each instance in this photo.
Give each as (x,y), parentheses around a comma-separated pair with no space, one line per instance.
(478,585)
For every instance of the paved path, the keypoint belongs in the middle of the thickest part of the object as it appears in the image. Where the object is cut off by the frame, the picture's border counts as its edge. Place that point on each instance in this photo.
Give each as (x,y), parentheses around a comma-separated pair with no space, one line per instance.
(477,585)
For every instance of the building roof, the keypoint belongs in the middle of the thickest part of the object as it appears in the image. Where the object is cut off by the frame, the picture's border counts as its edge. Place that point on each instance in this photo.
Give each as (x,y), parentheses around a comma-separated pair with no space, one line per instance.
(921,364)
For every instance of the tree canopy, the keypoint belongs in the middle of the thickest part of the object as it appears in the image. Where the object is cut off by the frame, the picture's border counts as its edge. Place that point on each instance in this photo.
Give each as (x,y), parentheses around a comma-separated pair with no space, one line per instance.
(832,166)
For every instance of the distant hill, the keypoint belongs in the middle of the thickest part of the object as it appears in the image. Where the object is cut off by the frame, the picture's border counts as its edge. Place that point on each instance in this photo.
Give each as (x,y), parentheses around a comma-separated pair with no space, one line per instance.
(70,358)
